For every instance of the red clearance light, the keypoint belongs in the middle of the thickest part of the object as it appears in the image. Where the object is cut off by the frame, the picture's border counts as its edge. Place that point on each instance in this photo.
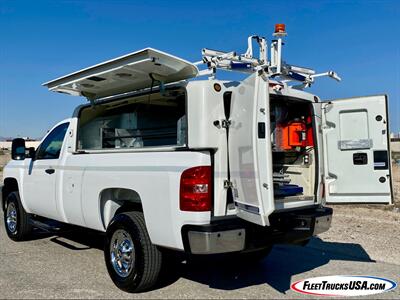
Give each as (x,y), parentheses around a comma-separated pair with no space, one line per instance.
(280,28)
(196,189)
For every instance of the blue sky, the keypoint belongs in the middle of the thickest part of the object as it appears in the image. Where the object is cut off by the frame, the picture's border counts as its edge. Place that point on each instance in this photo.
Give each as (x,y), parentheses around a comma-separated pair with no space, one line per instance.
(42,40)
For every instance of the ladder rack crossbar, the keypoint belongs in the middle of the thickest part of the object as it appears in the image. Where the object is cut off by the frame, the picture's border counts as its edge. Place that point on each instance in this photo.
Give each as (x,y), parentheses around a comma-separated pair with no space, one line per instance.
(275,67)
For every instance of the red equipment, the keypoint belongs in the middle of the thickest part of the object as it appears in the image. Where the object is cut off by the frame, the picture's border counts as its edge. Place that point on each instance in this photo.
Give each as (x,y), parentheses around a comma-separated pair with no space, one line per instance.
(296,133)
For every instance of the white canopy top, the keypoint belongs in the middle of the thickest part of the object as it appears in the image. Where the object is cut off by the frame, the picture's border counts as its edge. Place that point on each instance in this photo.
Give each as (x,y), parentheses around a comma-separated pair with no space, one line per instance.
(130,72)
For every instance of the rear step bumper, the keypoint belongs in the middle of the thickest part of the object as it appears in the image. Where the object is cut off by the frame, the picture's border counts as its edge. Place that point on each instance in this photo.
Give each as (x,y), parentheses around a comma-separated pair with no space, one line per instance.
(235,234)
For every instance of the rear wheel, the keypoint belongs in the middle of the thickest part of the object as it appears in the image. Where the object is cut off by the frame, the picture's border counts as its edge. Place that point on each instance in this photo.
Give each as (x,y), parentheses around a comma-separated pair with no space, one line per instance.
(132,261)
(16,220)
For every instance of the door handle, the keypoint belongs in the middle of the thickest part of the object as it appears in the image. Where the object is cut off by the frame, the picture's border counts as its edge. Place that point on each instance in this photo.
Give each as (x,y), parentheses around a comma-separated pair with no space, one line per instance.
(50,171)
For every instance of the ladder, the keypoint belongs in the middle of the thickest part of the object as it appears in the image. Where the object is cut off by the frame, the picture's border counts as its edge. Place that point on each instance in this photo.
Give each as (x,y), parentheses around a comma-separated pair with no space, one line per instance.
(275,67)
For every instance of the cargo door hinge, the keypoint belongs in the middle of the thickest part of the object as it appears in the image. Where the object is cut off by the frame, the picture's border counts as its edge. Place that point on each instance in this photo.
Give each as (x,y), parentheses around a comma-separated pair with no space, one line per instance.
(222,124)
(226,123)
(228,184)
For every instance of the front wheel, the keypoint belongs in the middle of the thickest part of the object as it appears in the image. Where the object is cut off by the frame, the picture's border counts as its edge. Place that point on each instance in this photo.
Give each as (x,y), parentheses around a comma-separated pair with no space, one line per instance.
(16,220)
(132,261)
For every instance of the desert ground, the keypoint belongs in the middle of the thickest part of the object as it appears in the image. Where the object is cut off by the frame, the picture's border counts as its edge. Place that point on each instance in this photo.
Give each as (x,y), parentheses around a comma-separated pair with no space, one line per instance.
(4,158)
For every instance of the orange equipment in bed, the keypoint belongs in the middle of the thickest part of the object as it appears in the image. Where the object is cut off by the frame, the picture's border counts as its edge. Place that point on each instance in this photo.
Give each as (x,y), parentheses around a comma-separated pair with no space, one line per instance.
(293,134)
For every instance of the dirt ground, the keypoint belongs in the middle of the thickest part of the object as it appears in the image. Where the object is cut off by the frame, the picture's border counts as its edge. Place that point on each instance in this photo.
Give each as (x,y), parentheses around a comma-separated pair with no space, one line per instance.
(396,184)
(4,158)
(376,230)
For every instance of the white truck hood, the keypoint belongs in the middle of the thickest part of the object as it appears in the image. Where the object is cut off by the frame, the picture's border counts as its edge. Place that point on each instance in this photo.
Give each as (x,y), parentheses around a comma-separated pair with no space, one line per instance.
(127,73)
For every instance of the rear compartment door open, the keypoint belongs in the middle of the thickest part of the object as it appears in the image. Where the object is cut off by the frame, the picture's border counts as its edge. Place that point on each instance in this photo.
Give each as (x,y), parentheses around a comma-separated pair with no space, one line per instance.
(250,157)
(356,150)
(134,71)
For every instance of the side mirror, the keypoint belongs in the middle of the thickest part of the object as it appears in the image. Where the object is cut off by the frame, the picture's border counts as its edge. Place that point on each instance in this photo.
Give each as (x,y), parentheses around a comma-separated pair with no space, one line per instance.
(31,153)
(18,149)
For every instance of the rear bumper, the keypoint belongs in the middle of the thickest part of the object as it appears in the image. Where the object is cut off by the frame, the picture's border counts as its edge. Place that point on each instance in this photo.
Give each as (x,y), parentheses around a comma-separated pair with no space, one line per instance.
(213,242)
(235,234)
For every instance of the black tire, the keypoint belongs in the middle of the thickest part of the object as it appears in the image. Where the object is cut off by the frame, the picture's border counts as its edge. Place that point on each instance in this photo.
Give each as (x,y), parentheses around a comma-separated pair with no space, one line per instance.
(146,267)
(15,214)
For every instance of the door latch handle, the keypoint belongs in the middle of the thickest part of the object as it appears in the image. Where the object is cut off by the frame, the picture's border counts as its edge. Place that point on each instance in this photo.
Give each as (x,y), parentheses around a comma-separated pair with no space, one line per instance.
(50,171)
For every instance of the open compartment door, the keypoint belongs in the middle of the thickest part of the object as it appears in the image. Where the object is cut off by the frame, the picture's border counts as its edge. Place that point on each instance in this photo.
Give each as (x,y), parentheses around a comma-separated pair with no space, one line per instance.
(356,150)
(249,144)
(134,71)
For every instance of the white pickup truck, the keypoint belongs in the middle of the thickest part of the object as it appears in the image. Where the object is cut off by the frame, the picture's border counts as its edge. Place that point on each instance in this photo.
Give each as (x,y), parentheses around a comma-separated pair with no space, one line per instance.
(158,161)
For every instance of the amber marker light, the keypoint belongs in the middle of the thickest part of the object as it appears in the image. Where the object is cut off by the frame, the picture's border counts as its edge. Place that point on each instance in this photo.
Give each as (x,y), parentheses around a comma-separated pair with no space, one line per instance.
(217,87)
(280,30)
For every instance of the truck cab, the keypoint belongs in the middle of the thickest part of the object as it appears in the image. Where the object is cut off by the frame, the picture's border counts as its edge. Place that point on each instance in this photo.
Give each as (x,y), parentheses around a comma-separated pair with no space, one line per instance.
(159,161)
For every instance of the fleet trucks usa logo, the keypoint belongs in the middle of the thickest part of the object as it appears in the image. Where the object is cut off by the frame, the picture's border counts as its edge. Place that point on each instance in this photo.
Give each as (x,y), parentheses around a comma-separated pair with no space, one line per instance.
(343,285)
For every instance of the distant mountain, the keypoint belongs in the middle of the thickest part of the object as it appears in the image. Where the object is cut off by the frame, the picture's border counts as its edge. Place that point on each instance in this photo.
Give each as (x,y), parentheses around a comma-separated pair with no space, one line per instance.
(3,138)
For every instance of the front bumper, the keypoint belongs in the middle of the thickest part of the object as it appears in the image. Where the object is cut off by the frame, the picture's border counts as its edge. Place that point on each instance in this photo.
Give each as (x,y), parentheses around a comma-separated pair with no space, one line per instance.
(235,234)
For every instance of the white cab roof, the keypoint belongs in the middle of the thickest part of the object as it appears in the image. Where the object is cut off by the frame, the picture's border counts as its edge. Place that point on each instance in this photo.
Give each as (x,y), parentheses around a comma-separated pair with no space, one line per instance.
(130,72)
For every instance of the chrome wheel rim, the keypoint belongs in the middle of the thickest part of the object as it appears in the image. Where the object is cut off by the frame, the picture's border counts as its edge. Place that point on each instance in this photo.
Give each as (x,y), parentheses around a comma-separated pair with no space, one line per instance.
(122,253)
(11,218)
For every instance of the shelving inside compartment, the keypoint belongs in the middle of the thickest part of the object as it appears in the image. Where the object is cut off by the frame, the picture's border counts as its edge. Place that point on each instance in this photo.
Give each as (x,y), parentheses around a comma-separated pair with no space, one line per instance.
(147,120)
(293,148)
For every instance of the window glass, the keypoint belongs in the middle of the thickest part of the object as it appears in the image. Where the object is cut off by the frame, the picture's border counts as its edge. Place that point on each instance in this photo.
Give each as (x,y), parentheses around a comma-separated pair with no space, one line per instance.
(134,123)
(50,148)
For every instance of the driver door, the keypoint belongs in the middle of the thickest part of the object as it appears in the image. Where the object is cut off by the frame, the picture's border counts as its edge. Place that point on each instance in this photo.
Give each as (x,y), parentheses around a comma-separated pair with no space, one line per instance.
(39,188)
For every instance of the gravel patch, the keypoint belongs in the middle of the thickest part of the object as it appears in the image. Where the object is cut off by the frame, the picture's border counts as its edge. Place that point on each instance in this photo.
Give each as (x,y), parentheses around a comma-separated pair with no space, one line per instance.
(375,230)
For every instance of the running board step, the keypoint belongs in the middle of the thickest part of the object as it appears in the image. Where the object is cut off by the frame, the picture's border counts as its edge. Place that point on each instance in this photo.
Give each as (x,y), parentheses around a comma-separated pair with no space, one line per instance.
(50,226)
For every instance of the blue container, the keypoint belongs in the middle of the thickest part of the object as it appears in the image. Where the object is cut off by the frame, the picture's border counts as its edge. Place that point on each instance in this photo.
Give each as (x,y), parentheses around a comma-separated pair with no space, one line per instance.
(287,190)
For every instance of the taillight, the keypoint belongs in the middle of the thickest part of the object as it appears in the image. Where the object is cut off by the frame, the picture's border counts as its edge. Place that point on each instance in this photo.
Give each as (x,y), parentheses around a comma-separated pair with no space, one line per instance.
(195,189)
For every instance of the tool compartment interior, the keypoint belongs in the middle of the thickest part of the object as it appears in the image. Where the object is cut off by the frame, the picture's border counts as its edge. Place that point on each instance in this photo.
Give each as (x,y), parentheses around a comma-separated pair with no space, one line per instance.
(293,148)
